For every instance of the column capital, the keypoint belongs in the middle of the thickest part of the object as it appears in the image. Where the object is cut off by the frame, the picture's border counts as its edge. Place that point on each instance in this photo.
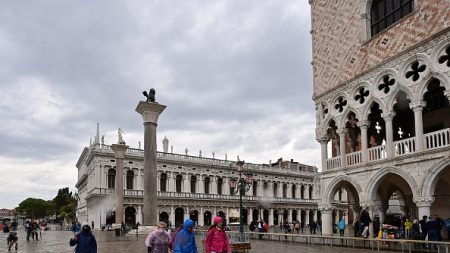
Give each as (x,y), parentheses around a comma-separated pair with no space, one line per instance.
(119,150)
(364,124)
(423,201)
(389,116)
(417,106)
(327,208)
(150,111)
(341,131)
(322,139)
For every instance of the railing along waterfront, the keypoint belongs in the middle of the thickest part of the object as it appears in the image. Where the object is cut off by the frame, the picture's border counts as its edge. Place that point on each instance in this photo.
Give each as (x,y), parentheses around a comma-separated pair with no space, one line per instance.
(403,245)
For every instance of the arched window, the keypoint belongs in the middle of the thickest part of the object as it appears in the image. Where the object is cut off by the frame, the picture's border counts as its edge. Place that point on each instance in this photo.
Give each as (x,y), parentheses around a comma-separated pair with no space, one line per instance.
(163,182)
(294,189)
(384,13)
(111,178)
(219,186)
(179,180)
(207,180)
(130,179)
(302,192)
(310,192)
(193,183)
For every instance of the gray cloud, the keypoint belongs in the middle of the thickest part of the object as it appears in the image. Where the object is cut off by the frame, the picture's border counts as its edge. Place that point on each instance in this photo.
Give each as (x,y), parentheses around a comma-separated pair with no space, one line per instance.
(235,75)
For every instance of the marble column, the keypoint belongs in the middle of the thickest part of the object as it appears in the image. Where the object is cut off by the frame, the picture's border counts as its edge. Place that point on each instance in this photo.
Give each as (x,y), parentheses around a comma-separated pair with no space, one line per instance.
(186,184)
(172,215)
(150,112)
(418,124)
(342,132)
(324,152)
(364,125)
(423,205)
(327,221)
(139,214)
(270,217)
(119,151)
(388,117)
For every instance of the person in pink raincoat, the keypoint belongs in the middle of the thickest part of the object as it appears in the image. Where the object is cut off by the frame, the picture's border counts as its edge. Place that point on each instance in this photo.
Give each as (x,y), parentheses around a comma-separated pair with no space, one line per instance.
(216,240)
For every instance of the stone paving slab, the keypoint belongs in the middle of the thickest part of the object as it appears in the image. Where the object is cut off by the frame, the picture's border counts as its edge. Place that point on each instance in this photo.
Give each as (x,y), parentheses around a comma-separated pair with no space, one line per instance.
(58,242)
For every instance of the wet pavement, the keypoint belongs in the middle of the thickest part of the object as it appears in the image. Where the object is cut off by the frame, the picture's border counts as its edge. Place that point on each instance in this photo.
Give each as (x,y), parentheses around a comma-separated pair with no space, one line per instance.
(58,242)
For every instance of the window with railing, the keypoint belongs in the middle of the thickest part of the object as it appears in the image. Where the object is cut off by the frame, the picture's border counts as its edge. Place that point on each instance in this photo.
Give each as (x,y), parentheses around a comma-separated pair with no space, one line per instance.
(193,184)
(384,13)
(207,180)
(219,186)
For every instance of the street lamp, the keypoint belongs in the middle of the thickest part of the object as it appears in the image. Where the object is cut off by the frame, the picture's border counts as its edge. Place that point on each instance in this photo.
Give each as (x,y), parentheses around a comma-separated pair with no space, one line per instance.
(241,185)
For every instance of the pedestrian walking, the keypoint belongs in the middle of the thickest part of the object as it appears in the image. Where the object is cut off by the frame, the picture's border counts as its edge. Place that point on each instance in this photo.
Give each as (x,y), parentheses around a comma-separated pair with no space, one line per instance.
(216,239)
(85,240)
(158,240)
(341,226)
(415,232)
(365,221)
(185,240)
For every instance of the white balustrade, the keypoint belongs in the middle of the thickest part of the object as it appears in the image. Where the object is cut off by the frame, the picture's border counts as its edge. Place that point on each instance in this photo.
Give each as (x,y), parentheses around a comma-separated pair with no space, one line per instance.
(333,163)
(354,158)
(377,153)
(405,146)
(437,139)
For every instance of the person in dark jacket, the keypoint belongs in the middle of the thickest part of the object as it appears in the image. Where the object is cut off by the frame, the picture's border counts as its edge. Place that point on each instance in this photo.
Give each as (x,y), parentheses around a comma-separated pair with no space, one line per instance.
(365,221)
(415,232)
(185,240)
(84,240)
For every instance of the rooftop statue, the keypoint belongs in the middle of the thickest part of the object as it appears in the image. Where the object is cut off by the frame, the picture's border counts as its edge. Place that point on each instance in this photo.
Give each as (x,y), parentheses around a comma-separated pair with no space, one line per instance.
(120,138)
(150,95)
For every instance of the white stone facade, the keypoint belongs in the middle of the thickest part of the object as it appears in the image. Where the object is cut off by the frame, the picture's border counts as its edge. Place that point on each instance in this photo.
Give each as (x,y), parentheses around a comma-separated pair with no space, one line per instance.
(195,187)
(385,130)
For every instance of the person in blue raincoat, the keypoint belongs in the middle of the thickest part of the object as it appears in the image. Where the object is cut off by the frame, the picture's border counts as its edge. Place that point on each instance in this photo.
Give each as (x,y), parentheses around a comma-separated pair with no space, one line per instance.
(185,239)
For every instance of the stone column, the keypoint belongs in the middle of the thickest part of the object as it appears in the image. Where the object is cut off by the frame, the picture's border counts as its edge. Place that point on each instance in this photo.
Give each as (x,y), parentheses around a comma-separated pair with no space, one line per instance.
(186,214)
(186,183)
(364,125)
(418,124)
(289,190)
(172,215)
(388,117)
(342,133)
(270,217)
(290,216)
(327,221)
(150,112)
(138,214)
(226,187)
(201,184)
(324,152)
(249,215)
(201,218)
(119,151)
(423,205)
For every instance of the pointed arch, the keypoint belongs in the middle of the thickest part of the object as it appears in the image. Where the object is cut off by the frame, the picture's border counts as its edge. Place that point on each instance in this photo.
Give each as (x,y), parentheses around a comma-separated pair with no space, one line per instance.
(444,81)
(372,187)
(366,110)
(326,123)
(345,116)
(429,182)
(393,98)
(328,194)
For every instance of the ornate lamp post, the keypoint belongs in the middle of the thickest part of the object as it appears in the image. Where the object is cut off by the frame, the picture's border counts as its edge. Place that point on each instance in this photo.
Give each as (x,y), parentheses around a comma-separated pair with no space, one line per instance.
(241,185)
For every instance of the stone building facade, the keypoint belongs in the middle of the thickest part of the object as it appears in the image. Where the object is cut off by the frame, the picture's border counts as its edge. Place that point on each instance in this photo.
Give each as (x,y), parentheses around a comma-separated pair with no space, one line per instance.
(382,91)
(194,187)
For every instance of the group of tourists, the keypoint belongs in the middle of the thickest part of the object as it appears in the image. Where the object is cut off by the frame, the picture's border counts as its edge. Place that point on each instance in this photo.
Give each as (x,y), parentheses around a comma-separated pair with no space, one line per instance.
(182,240)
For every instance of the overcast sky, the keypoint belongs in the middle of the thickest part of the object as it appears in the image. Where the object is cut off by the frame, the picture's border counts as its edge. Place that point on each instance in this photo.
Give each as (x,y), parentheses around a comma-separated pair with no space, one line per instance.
(235,76)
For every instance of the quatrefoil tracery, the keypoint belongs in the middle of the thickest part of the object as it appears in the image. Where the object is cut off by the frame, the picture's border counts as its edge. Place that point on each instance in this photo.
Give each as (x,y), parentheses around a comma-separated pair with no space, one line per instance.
(446,57)
(362,94)
(387,82)
(341,104)
(416,70)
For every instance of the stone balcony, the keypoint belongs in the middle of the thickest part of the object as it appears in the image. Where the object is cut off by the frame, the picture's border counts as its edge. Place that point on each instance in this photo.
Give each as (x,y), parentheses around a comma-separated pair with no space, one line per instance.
(432,142)
(197,196)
